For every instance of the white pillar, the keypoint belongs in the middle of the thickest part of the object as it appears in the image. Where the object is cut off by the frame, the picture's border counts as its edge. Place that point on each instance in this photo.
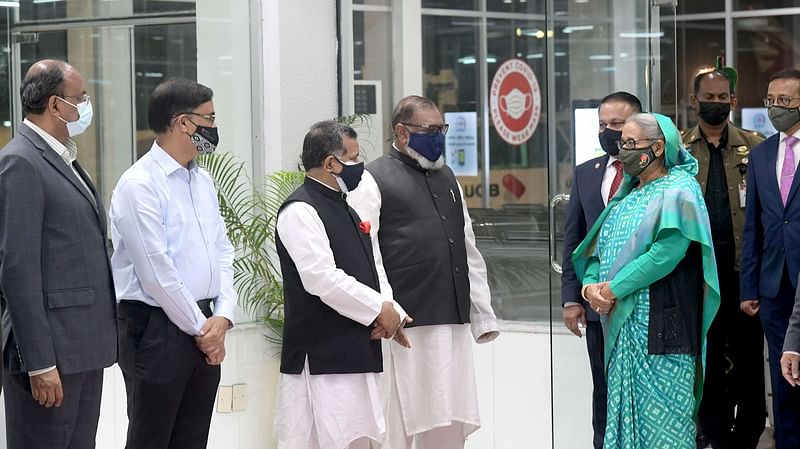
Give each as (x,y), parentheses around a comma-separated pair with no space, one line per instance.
(407,44)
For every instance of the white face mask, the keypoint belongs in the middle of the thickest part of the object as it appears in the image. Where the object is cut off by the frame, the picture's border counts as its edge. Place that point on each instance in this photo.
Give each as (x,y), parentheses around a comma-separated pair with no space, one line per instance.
(85,113)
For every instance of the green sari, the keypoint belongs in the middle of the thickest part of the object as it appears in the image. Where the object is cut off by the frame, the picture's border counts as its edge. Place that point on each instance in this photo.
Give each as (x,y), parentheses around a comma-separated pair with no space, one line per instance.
(639,238)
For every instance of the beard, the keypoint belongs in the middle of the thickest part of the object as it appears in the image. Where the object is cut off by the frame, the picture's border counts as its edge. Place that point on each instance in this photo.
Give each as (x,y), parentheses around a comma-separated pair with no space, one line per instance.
(424,162)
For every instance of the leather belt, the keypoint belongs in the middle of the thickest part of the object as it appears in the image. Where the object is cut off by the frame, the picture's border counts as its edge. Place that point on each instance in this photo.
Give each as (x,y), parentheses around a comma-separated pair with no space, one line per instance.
(203,304)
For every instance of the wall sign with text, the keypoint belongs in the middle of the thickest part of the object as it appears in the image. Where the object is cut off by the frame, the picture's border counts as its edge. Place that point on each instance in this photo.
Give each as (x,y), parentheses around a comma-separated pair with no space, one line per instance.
(461,143)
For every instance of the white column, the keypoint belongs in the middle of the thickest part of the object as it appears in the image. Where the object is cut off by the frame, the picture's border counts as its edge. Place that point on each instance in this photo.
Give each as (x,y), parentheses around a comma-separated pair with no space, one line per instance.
(407,44)
(300,75)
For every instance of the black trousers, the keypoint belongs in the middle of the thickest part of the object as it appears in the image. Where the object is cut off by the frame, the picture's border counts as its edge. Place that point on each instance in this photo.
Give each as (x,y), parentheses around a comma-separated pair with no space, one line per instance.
(170,387)
(733,409)
(775,313)
(595,345)
(31,426)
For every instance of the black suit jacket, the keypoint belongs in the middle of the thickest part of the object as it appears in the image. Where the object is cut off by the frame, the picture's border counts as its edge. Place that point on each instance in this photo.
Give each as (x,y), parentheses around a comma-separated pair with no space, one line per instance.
(54,269)
(585,205)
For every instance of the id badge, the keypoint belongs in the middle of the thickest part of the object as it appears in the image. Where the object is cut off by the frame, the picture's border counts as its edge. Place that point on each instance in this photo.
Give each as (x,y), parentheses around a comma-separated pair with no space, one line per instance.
(742,194)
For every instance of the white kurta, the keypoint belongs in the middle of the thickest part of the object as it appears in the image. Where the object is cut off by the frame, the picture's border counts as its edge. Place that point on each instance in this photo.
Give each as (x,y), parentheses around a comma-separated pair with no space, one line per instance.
(327,411)
(432,384)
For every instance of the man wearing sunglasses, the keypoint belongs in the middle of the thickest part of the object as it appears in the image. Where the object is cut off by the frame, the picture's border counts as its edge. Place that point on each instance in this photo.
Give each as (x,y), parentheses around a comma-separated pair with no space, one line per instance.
(771,244)
(423,239)
(733,408)
(173,270)
(59,317)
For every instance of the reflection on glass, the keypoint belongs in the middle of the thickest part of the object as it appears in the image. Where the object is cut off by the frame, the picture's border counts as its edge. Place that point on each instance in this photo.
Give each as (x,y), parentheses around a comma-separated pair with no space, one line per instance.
(5,99)
(708,42)
(161,52)
(372,70)
(519,178)
(451,4)
(762,4)
(37,10)
(118,89)
(764,45)
(694,7)
(520,6)
(373,2)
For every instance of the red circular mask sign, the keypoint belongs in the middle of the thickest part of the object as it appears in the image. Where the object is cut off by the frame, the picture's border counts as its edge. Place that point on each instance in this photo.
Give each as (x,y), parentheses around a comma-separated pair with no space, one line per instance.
(515,101)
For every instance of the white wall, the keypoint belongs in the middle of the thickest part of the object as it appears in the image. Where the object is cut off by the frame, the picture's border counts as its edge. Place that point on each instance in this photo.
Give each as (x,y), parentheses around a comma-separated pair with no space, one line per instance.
(513,375)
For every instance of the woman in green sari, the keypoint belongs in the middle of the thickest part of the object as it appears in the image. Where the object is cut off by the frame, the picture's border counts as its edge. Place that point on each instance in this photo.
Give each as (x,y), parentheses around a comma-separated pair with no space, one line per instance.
(648,266)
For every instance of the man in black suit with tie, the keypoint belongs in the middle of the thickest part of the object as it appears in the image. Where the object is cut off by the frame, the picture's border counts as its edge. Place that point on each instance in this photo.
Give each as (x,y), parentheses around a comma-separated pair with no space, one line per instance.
(59,319)
(593,184)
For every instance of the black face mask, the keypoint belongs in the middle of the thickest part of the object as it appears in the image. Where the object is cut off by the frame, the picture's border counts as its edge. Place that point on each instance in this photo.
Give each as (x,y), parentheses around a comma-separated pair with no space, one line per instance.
(350,176)
(205,138)
(608,141)
(714,113)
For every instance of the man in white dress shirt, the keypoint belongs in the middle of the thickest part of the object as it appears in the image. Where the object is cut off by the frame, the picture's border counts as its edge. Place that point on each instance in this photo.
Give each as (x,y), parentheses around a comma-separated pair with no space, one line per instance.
(173,270)
(424,241)
(335,315)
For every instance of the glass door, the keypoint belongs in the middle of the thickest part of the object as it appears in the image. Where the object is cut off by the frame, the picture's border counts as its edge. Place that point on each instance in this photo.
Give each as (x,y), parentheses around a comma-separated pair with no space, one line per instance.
(596,48)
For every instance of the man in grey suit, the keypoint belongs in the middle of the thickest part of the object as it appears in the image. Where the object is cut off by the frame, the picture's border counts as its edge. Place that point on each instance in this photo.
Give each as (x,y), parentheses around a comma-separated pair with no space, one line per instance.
(59,320)
(790,360)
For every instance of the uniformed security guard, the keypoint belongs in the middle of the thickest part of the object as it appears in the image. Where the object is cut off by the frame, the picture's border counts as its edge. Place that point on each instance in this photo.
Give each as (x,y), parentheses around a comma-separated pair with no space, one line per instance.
(733,408)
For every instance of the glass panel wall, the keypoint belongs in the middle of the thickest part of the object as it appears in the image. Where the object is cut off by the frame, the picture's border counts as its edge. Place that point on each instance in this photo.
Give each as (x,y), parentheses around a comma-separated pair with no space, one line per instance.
(160,53)
(764,45)
(119,83)
(372,74)
(52,10)
(699,43)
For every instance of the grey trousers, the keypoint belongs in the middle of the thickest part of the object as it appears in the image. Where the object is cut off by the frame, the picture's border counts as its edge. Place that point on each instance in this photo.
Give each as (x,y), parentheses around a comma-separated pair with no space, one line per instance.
(71,426)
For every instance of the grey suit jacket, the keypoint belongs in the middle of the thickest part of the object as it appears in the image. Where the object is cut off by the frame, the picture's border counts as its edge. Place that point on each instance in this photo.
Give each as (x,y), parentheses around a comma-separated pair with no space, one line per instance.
(54,268)
(792,340)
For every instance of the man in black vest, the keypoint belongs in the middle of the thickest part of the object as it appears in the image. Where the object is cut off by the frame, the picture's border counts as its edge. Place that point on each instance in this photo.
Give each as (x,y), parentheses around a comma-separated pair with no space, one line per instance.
(426,245)
(335,315)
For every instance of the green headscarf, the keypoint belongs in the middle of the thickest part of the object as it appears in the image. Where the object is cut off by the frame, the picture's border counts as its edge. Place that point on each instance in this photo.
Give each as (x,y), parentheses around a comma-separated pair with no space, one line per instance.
(680,207)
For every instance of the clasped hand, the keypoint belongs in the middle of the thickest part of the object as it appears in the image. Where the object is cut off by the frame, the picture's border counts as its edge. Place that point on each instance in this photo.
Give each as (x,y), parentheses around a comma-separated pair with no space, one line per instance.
(388,325)
(212,339)
(600,297)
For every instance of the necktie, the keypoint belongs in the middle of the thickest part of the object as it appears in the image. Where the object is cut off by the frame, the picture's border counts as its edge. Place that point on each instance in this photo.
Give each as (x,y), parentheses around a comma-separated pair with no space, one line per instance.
(788,169)
(617,179)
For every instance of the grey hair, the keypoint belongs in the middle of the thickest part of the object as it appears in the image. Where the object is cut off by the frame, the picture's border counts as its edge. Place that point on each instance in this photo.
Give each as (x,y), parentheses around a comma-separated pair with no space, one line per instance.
(648,124)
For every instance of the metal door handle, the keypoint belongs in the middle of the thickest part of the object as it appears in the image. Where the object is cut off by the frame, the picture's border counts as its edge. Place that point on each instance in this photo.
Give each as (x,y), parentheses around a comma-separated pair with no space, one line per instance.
(561,197)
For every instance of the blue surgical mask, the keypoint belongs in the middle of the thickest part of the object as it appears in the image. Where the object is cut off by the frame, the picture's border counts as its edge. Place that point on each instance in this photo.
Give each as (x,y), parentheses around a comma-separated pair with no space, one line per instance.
(85,114)
(429,145)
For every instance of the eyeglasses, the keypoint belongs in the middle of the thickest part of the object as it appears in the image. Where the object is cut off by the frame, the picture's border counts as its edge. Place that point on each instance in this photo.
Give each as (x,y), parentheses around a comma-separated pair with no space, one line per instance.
(630,144)
(430,129)
(81,98)
(209,117)
(782,101)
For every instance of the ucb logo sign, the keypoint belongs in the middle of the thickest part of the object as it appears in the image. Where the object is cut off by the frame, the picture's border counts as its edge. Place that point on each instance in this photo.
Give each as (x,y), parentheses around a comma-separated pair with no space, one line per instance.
(477,190)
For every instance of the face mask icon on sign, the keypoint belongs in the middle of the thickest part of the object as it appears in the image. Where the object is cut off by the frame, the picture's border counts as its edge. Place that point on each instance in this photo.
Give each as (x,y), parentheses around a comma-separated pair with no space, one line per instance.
(515,103)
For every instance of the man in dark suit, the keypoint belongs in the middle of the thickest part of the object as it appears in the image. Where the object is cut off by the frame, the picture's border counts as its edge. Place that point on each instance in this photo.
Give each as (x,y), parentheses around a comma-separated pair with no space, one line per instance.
(771,242)
(59,322)
(593,184)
